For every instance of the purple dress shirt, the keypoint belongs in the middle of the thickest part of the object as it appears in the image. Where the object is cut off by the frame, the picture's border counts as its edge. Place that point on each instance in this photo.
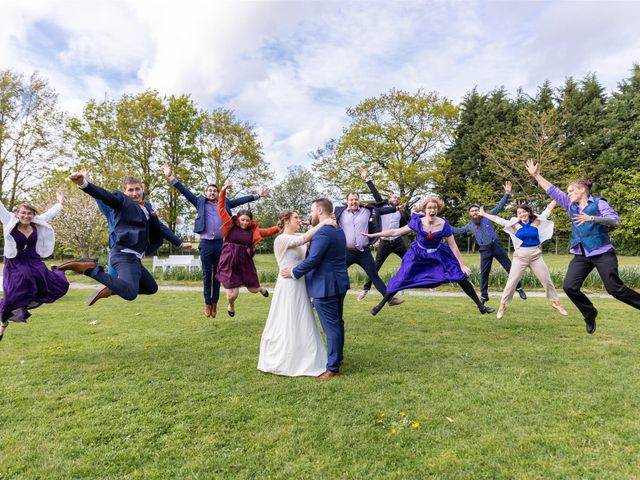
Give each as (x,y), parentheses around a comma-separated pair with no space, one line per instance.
(605,211)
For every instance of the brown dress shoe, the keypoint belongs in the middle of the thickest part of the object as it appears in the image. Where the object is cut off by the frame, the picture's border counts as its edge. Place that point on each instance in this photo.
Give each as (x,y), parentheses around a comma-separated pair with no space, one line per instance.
(328,374)
(207,310)
(101,292)
(214,310)
(79,266)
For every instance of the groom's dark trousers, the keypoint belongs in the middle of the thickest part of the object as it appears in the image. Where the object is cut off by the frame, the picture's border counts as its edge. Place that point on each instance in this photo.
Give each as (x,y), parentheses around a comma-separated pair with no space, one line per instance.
(330,310)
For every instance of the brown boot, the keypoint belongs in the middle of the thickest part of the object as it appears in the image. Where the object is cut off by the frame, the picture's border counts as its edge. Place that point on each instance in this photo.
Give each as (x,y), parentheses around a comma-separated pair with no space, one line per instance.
(207,310)
(79,266)
(214,310)
(101,292)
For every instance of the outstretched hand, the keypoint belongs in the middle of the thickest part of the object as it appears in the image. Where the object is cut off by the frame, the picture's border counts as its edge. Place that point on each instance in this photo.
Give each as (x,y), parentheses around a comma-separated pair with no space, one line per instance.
(481,211)
(186,245)
(60,195)
(532,167)
(580,218)
(364,173)
(168,171)
(227,184)
(77,177)
(507,187)
(264,192)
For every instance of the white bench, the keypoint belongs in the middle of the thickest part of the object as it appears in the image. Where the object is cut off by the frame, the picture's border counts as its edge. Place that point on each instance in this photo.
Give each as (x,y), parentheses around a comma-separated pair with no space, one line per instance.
(176,261)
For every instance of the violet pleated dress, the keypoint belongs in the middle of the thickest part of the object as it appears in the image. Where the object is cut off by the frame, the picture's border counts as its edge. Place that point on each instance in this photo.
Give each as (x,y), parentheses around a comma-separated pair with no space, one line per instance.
(27,282)
(429,262)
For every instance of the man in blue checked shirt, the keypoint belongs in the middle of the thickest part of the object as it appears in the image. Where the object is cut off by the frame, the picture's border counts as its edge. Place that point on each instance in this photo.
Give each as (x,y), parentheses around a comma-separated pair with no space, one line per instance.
(489,243)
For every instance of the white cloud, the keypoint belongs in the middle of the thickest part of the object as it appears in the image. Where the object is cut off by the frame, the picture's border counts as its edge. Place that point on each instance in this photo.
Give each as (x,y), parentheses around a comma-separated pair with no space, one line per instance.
(292,67)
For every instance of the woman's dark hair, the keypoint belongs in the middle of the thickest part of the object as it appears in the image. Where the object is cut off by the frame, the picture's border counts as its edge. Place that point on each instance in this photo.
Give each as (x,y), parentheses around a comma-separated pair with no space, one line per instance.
(532,216)
(284,216)
(244,212)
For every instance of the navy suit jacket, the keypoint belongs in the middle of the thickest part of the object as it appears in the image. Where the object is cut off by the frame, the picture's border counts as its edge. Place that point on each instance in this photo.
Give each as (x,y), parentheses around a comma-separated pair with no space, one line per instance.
(325,268)
(131,228)
(200,201)
(375,225)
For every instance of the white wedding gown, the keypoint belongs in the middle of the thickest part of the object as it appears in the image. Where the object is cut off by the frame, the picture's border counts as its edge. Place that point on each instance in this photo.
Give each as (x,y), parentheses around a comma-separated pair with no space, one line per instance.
(291,343)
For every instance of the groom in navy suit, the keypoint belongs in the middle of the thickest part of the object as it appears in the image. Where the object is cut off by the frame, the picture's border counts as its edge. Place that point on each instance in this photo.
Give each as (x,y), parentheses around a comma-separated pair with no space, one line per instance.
(325,271)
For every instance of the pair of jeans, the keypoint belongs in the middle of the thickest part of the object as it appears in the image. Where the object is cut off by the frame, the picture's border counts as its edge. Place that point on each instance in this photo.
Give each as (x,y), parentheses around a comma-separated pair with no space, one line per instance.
(487,254)
(210,251)
(365,260)
(132,279)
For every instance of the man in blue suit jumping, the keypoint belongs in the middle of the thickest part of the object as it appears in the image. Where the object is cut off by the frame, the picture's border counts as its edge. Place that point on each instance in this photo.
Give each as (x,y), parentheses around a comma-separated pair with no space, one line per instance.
(325,271)
(136,228)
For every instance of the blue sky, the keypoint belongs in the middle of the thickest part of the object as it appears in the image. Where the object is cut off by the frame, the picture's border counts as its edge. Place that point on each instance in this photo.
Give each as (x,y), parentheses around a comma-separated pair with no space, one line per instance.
(293,67)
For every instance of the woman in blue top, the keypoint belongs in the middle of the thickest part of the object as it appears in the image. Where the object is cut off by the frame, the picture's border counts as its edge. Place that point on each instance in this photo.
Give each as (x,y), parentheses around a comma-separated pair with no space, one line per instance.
(429,262)
(528,231)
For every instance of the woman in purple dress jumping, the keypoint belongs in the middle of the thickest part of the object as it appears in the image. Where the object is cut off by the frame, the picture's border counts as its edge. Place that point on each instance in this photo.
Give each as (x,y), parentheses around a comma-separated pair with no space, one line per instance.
(430,262)
(27,282)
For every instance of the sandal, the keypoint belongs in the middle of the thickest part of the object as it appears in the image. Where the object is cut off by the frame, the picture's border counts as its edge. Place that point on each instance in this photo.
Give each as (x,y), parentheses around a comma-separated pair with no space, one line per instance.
(231,311)
(264,292)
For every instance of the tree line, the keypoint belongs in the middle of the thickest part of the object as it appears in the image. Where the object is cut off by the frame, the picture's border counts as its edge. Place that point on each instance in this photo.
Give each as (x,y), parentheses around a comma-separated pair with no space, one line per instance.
(413,143)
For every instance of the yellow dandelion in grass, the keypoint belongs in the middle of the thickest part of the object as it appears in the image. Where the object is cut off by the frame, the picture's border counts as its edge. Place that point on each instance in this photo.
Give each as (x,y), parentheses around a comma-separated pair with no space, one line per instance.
(415,425)
(402,414)
(381,414)
(393,431)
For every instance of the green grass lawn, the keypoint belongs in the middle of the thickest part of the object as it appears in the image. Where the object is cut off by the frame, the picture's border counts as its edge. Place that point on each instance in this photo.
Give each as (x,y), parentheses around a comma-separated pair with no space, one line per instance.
(151,389)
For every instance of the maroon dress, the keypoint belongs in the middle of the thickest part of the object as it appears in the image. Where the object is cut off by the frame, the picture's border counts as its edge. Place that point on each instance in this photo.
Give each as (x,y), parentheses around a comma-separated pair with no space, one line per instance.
(27,282)
(236,267)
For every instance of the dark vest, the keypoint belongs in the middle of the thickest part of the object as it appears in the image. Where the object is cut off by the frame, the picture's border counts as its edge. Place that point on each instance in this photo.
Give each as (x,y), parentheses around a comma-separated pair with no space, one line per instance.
(590,234)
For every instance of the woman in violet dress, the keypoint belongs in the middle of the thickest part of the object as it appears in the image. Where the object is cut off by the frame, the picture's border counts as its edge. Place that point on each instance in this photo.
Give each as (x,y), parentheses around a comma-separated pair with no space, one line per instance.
(291,343)
(240,235)
(430,261)
(27,282)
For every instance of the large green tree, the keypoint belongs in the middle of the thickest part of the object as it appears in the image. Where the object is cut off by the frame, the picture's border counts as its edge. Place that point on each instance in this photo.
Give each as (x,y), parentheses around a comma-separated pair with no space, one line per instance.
(180,151)
(30,133)
(397,136)
(231,150)
(462,176)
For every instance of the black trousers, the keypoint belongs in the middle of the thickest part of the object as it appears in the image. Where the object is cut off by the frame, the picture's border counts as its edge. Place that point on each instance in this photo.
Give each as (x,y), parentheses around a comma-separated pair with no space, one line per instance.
(386,248)
(487,254)
(607,266)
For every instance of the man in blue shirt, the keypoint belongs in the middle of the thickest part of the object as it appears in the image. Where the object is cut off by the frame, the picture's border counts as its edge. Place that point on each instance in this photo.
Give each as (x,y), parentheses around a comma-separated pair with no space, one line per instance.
(489,243)
(208,225)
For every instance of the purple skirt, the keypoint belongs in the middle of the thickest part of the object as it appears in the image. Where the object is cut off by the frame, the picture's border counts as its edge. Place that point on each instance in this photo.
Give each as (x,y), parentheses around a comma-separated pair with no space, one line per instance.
(426,268)
(28,283)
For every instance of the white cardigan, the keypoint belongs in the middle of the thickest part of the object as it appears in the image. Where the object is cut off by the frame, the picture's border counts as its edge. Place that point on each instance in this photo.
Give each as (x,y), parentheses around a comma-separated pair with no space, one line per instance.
(545,228)
(46,235)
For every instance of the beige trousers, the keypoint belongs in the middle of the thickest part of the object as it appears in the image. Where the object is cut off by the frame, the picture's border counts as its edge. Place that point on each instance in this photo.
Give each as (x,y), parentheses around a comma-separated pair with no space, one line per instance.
(528,257)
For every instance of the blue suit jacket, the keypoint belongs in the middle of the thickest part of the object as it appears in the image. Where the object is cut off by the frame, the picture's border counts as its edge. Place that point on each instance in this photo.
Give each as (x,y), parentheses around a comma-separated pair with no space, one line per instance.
(200,201)
(131,228)
(325,268)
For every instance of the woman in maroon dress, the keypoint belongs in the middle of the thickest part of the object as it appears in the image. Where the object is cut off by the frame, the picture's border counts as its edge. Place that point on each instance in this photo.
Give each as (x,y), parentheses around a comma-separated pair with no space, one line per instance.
(27,282)
(236,268)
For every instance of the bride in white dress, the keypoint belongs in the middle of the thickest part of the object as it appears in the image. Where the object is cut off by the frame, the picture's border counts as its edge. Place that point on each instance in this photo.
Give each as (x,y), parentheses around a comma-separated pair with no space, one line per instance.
(291,343)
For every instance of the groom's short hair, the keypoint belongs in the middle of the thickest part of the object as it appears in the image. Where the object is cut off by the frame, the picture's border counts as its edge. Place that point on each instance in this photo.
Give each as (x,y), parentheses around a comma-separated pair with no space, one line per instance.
(325,204)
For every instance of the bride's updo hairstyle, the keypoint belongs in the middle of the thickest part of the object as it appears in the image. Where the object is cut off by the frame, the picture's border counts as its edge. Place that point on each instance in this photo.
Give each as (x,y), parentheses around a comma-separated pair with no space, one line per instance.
(284,217)
(430,199)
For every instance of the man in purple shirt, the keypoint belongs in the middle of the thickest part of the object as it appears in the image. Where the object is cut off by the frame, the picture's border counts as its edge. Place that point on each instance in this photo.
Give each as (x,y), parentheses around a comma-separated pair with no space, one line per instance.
(355,219)
(591,217)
